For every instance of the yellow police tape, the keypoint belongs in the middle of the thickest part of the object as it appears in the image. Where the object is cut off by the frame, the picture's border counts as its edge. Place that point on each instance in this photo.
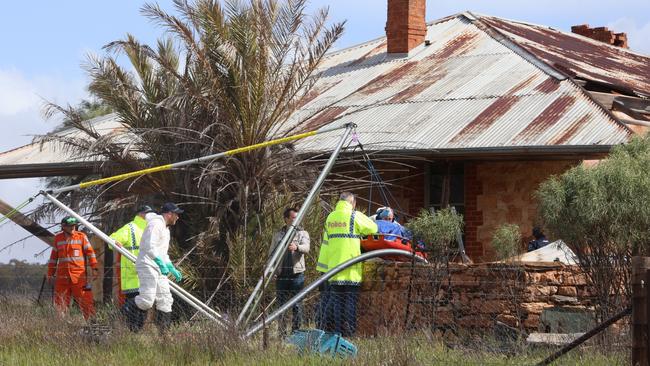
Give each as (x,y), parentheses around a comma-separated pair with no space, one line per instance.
(125,176)
(170,166)
(269,143)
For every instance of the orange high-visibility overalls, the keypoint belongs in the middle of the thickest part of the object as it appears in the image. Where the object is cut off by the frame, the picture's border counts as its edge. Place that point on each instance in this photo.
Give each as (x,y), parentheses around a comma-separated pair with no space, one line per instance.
(67,264)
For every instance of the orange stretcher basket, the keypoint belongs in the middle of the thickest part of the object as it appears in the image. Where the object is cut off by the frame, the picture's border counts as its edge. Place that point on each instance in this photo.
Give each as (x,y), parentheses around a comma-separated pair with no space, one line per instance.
(379,241)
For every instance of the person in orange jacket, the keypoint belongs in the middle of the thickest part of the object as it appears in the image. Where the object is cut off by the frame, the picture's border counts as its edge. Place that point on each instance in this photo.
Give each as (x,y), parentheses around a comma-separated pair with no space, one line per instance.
(67,268)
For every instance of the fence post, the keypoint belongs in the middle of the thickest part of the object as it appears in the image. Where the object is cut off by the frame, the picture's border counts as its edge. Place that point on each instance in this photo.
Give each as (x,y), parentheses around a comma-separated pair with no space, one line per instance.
(640,289)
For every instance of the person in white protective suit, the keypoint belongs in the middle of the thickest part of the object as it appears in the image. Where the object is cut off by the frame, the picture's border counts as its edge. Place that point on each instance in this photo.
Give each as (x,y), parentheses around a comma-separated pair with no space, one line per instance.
(153,265)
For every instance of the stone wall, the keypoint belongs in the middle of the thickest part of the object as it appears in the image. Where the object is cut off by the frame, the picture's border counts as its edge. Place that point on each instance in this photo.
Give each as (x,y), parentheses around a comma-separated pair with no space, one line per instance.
(466,296)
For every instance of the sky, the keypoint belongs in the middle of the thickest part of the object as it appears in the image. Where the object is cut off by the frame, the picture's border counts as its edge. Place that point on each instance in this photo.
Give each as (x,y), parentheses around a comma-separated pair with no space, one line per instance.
(45,43)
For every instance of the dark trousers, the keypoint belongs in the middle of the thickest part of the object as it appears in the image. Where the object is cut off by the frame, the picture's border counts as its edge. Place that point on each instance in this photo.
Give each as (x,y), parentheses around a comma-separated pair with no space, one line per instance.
(286,288)
(324,319)
(343,299)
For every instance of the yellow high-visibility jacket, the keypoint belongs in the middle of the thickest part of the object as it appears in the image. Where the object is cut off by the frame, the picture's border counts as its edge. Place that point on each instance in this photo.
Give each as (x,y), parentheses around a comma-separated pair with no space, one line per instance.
(129,236)
(321,265)
(343,228)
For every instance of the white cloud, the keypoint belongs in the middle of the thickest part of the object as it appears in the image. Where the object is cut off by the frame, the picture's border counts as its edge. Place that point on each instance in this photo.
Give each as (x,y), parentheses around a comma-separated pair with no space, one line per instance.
(638,35)
(16,93)
(21,101)
(20,94)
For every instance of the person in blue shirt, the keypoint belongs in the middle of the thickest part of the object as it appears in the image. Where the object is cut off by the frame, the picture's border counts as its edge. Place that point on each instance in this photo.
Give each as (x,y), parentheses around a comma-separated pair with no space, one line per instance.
(387,225)
(540,240)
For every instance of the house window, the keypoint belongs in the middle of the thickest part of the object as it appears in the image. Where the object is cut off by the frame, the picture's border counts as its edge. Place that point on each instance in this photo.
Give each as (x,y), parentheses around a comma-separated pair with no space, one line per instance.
(447,186)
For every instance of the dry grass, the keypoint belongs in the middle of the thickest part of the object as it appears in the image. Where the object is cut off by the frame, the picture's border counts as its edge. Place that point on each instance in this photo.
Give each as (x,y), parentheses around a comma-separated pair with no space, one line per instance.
(31,335)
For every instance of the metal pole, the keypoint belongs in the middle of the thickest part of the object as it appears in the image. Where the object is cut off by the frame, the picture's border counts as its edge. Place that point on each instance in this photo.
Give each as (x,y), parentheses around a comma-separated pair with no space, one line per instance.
(314,285)
(461,244)
(179,291)
(193,161)
(273,263)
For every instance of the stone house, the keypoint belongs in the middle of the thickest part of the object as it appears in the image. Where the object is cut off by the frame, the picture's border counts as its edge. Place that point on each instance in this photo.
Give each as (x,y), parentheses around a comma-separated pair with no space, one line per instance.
(476,111)
(469,110)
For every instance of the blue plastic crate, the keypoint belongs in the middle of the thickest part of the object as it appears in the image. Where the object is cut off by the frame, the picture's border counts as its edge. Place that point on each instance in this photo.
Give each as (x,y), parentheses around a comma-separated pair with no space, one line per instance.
(336,345)
(316,340)
(306,340)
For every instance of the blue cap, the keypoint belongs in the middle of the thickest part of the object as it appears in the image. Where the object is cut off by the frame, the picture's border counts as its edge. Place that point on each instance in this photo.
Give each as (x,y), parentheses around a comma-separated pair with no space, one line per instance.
(384,213)
(171,207)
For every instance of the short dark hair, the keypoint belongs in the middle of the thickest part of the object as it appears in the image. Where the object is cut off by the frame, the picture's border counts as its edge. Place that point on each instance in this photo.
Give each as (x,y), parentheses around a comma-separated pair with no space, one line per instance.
(288,211)
(346,195)
(144,209)
(537,232)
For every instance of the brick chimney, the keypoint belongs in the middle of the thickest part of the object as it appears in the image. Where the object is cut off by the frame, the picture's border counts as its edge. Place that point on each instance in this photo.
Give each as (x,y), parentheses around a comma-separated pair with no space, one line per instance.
(406,25)
(601,34)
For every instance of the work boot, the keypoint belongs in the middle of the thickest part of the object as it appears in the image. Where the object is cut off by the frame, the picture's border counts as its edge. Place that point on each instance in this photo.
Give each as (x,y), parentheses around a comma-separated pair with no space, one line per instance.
(133,315)
(163,321)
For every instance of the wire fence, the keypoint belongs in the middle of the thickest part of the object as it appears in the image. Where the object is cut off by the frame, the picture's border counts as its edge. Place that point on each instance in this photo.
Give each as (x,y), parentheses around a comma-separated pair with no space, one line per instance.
(497,306)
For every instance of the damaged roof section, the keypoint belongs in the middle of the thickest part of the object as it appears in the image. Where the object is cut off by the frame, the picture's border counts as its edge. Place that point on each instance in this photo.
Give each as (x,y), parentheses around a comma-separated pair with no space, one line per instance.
(586,58)
(463,89)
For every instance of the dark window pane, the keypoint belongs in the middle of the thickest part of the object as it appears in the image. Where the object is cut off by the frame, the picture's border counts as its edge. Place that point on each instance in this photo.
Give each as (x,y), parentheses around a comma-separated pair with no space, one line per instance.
(455,173)
(436,189)
(457,189)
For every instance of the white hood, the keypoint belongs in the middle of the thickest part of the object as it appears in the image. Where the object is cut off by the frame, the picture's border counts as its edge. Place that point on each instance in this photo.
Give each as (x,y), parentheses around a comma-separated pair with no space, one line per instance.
(155,239)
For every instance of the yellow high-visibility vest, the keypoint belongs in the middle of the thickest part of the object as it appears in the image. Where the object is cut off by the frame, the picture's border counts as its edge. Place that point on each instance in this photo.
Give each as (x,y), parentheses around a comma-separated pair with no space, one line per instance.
(129,236)
(322,264)
(343,229)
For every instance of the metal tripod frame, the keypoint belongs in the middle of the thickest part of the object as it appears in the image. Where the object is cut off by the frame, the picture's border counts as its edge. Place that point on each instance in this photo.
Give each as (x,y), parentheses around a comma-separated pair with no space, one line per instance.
(274,261)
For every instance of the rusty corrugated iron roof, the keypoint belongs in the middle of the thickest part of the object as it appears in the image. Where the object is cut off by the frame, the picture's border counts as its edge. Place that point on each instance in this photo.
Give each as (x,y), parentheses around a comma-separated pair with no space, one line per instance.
(587,58)
(470,88)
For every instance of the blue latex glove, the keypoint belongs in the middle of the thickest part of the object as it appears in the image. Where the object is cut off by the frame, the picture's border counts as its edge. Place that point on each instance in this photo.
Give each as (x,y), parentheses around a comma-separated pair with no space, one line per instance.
(161,265)
(177,275)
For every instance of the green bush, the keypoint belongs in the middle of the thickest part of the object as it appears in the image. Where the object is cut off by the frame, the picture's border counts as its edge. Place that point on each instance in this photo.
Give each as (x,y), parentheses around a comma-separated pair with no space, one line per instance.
(601,212)
(506,241)
(438,230)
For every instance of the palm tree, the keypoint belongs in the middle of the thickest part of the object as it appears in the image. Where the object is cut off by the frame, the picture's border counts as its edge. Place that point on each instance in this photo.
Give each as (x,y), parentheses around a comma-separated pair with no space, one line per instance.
(229,74)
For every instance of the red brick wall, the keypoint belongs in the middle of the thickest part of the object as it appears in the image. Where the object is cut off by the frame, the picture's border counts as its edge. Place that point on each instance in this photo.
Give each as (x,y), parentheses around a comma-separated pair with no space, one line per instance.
(506,196)
(602,34)
(407,184)
(496,193)
(473,214)
(405,25)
